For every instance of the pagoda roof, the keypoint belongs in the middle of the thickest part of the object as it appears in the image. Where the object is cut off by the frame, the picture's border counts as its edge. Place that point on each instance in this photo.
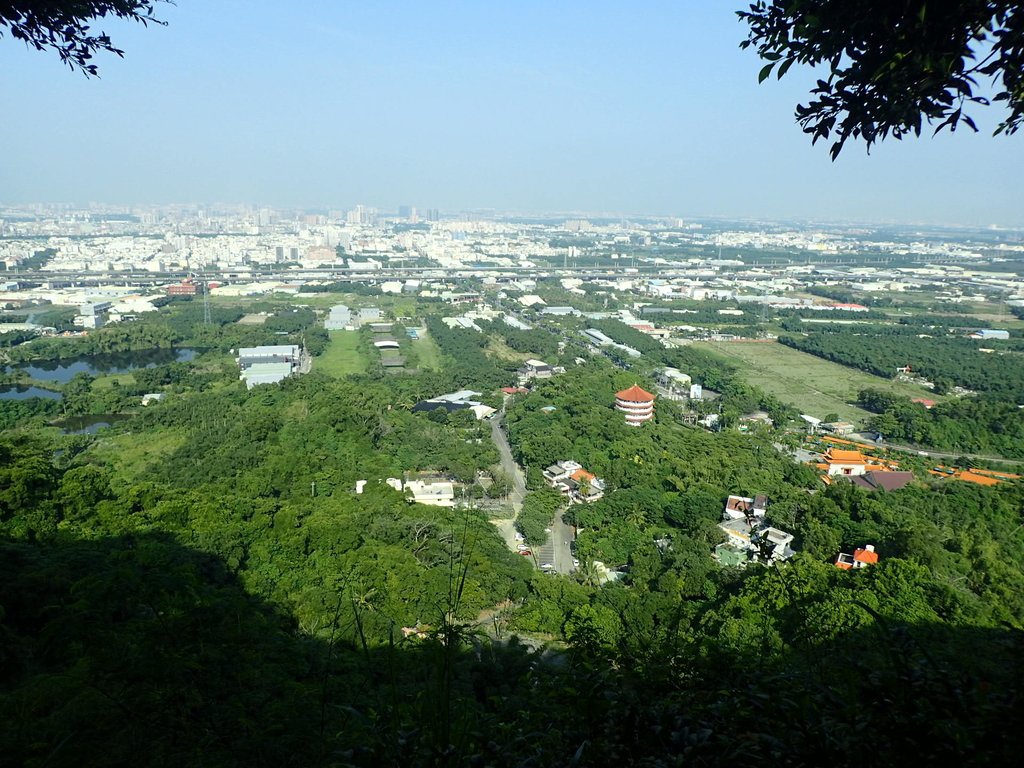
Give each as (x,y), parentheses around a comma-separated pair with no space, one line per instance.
(635,395)
(839,456)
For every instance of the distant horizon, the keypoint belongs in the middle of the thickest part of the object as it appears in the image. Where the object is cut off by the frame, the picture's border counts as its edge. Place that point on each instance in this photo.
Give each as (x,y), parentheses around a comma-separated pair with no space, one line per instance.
(536,107)
(321,208)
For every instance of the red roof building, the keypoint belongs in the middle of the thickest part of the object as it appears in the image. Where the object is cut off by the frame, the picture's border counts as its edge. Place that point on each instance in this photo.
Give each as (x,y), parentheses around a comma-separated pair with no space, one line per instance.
(637,404)
(861,558)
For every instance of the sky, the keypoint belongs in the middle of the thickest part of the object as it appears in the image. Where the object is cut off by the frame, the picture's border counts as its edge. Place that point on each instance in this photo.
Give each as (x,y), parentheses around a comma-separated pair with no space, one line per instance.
(535,107)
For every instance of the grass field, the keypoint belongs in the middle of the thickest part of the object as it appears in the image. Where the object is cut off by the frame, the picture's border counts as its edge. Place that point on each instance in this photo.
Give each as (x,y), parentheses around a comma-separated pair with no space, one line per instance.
(496,347)
(132,454)
(428,352)
(107,382)
(342,356)
(814,386)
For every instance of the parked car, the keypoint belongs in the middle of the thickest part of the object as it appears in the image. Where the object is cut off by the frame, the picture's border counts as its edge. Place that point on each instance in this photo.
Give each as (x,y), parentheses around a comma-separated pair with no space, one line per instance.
(525,552)
(547,567)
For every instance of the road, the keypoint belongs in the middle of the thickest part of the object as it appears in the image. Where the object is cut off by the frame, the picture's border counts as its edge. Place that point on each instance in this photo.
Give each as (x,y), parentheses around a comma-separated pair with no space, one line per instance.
(508,464)
(860,438)
(556,551)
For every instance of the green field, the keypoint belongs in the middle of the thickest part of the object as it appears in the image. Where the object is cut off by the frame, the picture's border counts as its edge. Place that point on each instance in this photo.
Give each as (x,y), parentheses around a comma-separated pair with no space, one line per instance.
(812,385)
(428,352)
(342,355)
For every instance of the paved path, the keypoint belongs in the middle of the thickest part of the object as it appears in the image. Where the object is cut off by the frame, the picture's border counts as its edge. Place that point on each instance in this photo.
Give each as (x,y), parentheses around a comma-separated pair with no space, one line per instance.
(506,527)
(860,438)
(556,550)
(508,464)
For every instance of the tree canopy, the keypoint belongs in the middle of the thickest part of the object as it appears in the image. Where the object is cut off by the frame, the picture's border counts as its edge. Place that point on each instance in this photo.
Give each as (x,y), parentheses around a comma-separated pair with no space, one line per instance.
(64,26)
(893,67)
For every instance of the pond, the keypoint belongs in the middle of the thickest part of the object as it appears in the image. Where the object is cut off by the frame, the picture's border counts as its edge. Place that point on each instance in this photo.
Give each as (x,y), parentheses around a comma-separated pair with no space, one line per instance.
(24,393)
(88,425)
(62,371)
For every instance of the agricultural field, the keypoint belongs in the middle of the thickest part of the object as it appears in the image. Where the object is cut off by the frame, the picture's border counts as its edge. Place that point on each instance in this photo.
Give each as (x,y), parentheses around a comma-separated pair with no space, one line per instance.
(428,351)
(814,386)
(342,356)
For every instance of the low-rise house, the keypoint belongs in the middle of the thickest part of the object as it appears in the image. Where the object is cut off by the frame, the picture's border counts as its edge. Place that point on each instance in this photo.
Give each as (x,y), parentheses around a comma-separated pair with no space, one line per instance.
(536,369)
(739,507)
(435,494)
(573,481)
(861,558)
(675,381)
(152,397)
(749,537)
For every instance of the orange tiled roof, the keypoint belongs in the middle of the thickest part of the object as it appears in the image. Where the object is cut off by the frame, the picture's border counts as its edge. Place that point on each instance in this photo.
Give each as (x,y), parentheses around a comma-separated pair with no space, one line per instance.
(635,395)
(865,556)
(971,477)
(838,456)
(581,474)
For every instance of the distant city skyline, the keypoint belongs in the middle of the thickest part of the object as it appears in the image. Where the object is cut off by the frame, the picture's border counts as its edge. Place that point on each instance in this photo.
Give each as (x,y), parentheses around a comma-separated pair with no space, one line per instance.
(590,110)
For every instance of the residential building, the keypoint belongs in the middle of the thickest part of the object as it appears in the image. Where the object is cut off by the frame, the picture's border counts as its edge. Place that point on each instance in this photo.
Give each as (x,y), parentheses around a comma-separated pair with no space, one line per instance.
(749,537)
(535,369)
(675,381)
(741,507)
(573,481)
(636,404)
(861,558)
(434,494)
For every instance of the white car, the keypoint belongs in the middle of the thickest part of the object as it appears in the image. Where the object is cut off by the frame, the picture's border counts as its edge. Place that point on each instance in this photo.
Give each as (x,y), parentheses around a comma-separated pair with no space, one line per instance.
(521,547)
(547,567)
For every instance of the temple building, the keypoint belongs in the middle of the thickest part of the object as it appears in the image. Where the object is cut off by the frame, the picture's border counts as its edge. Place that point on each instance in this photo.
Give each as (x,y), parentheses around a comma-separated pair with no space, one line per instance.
(636,404)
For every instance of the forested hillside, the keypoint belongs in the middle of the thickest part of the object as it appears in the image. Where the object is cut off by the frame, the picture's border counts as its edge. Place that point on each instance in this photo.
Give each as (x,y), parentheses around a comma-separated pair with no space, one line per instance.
(201,584)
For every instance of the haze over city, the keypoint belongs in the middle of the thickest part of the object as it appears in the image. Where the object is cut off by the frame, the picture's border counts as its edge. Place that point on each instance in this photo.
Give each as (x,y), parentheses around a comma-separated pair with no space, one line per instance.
(593,107)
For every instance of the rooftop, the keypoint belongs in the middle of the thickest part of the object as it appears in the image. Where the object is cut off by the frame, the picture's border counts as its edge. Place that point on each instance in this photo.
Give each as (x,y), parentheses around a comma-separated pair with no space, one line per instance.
(635,395)
(838,456)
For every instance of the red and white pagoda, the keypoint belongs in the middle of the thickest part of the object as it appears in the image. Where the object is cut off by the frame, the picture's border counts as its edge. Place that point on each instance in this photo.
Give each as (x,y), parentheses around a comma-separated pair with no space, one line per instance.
(637,405)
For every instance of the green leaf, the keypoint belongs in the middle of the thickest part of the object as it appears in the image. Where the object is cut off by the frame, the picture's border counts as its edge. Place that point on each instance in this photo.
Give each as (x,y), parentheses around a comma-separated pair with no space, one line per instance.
(766,70)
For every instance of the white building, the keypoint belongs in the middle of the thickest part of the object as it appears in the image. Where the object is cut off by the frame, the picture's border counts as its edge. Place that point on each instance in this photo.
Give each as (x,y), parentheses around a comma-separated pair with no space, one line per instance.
(436,494)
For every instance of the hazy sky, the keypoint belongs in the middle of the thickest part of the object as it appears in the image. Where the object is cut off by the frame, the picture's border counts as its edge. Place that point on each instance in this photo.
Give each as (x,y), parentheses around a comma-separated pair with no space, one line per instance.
(646,107)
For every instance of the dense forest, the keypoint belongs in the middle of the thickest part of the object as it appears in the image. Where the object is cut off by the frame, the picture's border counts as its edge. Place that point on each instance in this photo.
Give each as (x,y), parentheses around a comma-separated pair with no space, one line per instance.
(201,584)
(984,425)
(946,361)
